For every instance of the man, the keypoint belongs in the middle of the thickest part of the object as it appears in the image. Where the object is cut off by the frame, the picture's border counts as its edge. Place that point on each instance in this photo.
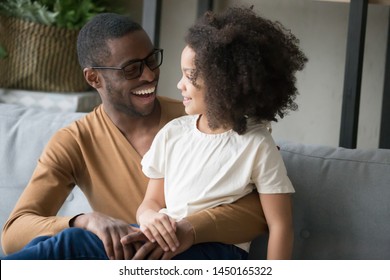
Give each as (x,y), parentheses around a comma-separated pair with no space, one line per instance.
(101,153)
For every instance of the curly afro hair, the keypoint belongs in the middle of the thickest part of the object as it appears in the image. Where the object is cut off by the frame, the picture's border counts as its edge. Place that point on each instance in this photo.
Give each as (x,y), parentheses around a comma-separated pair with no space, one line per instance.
(248,65)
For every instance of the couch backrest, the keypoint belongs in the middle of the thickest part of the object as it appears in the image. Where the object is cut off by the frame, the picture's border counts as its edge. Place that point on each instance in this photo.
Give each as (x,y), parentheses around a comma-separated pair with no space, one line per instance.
(341,204)
(24,133)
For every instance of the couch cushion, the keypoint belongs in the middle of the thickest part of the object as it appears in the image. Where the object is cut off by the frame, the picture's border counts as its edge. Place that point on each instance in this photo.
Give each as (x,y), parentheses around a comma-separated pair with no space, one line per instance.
(341,204)
(24,133)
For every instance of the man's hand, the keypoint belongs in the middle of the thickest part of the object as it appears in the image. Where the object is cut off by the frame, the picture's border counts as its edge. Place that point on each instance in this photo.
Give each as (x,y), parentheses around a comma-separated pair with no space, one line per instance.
(110,231)
(149,250)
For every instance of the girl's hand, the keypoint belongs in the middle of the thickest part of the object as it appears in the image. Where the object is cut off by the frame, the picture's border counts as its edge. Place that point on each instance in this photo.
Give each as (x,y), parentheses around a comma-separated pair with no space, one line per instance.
(159,228)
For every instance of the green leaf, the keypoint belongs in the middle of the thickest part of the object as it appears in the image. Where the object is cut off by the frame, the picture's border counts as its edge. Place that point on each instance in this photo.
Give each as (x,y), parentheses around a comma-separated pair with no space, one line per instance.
(62,13)
(74,14)
(28,10)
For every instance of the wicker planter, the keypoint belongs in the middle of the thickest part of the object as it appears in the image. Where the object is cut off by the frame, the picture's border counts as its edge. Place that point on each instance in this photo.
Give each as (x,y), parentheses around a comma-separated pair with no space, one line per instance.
(40,57)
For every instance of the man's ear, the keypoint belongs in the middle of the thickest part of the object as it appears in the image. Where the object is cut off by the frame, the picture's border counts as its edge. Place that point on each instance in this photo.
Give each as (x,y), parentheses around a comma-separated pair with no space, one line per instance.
(92,77)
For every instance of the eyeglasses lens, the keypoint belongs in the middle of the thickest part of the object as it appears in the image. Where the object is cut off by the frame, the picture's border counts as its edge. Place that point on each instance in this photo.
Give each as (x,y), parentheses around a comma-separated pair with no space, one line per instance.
(134,70)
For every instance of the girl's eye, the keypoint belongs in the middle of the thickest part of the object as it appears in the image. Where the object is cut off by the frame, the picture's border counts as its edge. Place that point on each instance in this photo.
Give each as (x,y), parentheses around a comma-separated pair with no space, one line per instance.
(191,79)
(191,75)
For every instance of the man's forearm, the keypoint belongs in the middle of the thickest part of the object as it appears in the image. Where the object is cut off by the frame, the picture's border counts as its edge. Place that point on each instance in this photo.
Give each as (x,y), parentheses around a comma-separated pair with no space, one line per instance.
(238,222)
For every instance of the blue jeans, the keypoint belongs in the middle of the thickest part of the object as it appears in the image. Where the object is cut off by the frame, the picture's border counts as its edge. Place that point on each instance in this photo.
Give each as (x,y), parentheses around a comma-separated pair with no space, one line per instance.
(79,244)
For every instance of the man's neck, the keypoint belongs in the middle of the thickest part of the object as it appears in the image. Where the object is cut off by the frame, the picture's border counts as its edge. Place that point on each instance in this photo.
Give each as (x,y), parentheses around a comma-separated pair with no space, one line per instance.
(138,130)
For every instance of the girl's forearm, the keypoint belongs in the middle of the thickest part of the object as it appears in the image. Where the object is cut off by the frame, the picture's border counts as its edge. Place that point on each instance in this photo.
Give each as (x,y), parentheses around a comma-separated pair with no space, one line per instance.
(280,244)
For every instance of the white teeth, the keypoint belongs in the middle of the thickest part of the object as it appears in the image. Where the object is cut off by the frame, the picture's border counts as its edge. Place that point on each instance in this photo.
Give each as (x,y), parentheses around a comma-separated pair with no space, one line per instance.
(144,91)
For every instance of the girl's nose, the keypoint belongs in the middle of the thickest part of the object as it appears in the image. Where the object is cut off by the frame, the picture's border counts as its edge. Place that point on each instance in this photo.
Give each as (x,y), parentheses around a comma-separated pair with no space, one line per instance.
(180,84)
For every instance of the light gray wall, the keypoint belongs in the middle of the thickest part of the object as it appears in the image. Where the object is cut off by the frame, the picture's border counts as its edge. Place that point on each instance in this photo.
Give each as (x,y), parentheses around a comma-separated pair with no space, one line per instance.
(322,30)
(177,16)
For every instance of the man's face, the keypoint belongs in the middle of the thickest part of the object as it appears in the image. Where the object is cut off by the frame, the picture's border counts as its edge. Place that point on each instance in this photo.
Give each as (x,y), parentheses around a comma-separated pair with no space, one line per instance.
(135,97)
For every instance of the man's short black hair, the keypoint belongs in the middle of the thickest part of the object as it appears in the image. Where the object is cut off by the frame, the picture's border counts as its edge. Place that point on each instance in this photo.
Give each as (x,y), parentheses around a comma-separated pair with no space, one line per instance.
(92,48)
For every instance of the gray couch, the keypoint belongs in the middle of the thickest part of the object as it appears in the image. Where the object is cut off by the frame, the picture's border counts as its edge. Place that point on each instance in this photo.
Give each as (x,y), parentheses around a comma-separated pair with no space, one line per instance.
(341,204)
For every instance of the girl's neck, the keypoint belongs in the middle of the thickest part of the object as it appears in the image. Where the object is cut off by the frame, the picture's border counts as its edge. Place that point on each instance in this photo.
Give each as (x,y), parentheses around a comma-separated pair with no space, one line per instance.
(203,126)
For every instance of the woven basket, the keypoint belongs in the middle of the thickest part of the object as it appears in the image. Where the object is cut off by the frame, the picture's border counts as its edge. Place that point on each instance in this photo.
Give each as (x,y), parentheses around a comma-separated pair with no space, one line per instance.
(40,57)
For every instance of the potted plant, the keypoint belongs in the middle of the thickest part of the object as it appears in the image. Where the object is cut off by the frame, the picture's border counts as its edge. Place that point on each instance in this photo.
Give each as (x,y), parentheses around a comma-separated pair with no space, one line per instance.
(38,43)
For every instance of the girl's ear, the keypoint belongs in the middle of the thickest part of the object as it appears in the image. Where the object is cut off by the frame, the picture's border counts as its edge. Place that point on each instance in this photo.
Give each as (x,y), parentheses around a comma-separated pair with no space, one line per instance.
(92,77)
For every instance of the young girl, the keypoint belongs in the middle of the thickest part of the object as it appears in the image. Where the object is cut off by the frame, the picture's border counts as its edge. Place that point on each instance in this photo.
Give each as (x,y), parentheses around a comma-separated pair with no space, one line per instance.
(238,75)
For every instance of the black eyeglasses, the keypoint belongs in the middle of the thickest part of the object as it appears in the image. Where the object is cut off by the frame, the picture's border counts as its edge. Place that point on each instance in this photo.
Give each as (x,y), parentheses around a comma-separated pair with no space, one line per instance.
(134,68)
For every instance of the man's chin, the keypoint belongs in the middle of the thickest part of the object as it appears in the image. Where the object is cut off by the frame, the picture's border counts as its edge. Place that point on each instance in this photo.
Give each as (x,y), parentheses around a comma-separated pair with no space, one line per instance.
(143,111)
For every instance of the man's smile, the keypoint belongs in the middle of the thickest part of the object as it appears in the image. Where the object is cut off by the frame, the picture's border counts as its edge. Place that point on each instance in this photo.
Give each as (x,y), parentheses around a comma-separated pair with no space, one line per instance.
(145,92)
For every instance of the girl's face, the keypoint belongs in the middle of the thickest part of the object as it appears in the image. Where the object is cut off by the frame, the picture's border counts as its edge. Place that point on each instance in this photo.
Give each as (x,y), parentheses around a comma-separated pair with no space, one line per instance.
(193,95)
